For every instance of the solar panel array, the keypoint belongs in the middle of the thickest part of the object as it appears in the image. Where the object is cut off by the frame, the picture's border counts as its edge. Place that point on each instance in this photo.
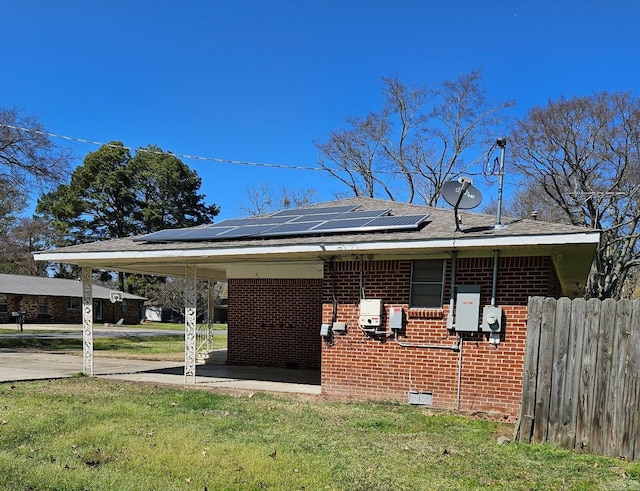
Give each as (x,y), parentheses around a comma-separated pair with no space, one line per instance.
(293,222)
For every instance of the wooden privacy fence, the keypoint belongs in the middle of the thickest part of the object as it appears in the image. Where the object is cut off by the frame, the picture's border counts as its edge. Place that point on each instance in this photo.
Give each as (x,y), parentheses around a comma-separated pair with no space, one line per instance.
(581,385)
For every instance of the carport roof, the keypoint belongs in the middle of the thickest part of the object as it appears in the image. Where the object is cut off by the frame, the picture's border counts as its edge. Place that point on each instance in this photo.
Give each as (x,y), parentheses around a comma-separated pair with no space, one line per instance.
(571,246)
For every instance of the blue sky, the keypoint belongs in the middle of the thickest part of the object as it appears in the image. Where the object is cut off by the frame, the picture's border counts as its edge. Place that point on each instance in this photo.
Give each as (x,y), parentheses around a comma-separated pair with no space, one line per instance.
(260,81)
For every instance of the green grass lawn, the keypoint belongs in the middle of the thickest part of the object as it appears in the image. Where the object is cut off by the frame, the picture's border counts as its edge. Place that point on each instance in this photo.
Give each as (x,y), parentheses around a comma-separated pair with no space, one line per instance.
(171,326)
(158,347)
(95,434)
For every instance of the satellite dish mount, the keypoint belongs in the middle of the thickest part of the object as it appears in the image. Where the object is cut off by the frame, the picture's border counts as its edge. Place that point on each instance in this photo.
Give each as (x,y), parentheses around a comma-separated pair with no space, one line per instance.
(461,194)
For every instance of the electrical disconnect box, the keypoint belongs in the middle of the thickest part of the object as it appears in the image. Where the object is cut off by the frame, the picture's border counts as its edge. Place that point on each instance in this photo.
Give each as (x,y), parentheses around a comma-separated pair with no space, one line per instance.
(370,312)
(340,327)
(324,330)
(491,319)
(467,308)
(396,318)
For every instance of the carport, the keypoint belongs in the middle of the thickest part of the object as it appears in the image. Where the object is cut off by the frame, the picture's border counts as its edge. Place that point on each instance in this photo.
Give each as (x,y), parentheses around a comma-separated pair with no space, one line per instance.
(194,262)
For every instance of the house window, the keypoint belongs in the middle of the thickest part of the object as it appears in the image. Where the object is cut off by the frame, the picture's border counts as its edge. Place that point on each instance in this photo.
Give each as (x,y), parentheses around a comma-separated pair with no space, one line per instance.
(97,310)
(74,303)
(427,283)
(43,305)
(3,304)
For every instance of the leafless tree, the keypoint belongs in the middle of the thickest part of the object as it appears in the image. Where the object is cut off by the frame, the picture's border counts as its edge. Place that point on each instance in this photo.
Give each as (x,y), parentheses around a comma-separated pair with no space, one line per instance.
(264,199)
(580,157)
(19,240)
(420,139)
(170,294)
(28,157)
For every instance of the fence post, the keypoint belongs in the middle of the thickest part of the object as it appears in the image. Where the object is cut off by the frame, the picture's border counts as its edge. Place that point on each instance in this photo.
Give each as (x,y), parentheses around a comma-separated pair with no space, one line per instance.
(574,363)
(524,426)
(558,406)
(630,418)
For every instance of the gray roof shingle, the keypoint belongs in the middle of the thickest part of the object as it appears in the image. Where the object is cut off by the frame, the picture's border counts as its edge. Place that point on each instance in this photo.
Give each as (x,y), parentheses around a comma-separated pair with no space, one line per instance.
(439,225)
(52,287)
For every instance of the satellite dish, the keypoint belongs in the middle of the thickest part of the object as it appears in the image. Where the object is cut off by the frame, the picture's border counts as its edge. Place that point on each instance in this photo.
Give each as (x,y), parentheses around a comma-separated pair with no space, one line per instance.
(470,198)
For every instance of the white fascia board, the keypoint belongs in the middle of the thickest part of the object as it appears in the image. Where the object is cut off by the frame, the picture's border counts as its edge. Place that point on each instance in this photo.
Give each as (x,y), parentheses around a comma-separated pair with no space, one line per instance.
(320,247)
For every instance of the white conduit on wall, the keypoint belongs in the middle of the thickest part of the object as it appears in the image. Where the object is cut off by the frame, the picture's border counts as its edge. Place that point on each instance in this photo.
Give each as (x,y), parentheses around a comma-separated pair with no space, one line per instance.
(453,347)
(459,375)
(494,283)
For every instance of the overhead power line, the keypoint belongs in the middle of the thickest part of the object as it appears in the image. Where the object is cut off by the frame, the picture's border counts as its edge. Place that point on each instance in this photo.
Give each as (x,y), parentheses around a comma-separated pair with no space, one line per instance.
(182,156)
(193,157)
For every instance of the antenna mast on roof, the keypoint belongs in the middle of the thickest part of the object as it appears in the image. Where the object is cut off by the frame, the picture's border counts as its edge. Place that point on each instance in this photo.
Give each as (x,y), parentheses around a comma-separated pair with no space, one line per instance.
(502,144)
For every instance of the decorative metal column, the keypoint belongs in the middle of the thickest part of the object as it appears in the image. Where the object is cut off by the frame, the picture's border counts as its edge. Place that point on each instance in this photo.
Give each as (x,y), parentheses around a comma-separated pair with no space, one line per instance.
(210,313)
(87,323)
(190,325)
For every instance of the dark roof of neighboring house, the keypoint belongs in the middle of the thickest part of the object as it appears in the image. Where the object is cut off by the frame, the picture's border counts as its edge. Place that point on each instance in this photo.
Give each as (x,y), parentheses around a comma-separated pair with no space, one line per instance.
(52,287)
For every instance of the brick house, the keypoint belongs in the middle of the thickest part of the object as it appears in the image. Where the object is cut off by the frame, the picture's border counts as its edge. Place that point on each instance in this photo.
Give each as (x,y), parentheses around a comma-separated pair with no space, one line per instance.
(397,308)
(59,300)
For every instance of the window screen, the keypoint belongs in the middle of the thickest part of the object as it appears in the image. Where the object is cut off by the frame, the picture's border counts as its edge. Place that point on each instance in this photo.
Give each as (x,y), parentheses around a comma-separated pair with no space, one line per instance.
(427,283)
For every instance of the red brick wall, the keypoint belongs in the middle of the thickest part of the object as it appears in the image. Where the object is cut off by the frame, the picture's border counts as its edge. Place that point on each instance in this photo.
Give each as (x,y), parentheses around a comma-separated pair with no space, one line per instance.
(274,322)
(358,366)
(58,309)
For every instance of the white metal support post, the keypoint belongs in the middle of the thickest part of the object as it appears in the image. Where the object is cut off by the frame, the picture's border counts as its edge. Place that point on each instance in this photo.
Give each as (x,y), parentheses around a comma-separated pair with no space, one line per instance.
(87,323)
(190,325)
(210,313)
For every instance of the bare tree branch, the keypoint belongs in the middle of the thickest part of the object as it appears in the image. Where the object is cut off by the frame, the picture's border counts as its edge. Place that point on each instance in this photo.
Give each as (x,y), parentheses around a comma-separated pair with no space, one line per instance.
(582,156)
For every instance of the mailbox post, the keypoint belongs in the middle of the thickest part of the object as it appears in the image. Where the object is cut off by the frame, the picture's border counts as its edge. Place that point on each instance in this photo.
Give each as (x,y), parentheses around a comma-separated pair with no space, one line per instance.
(20,318)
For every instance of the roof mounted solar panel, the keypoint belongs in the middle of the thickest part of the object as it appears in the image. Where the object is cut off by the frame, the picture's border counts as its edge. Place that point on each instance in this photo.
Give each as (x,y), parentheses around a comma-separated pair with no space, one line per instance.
(240,222)
(365,214)
(296,228)
(351,224)
(314,211)
(205,233)
(292,222)
(162,235)
(245,231)
(397,222)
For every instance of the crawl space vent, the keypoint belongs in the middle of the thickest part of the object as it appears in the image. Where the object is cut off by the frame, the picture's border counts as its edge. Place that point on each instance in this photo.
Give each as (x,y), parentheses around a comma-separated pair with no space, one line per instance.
(421,398)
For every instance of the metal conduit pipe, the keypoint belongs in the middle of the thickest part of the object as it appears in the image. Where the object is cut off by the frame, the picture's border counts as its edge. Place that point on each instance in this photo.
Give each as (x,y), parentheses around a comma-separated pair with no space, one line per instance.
(459,374)
(494,283)
(454,264)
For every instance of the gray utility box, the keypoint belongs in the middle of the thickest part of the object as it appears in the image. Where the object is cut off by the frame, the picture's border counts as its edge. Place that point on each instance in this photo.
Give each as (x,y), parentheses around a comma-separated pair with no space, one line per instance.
(467,308)
(491,319)
(396,318)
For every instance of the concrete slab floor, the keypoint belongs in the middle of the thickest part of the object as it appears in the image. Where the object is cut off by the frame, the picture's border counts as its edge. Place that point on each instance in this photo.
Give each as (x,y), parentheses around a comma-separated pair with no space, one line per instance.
(16,366)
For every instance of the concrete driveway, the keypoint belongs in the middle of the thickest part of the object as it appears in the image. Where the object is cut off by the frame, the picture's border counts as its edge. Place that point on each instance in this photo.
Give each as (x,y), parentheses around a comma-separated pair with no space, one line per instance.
(18,365)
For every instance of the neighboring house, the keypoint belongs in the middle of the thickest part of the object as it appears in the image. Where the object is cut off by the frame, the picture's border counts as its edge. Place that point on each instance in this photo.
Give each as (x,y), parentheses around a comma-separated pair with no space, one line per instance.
(385,302)
(60,300)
